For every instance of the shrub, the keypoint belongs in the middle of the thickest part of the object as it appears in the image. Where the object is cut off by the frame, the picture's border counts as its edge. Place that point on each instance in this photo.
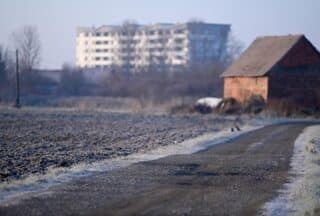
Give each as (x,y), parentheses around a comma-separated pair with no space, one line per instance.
(254,105)
(228,106)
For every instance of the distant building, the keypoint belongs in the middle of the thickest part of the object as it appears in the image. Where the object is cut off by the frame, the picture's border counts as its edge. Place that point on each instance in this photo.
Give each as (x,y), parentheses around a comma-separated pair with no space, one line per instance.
(275,67)
(134,46)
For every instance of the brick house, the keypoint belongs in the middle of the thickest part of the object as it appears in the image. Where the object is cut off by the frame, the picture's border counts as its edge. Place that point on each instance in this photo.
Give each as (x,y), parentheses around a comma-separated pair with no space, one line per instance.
(275,67)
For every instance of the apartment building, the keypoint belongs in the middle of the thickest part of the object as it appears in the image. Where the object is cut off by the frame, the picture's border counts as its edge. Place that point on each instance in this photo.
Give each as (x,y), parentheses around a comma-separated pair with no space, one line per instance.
(135,47)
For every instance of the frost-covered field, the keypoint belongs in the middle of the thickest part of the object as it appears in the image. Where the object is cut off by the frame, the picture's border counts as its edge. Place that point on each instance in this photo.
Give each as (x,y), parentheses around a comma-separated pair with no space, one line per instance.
(34,141)
(301,196)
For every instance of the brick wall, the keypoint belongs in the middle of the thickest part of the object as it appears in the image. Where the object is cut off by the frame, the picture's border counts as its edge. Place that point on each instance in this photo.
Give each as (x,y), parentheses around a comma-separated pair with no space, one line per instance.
(241,88)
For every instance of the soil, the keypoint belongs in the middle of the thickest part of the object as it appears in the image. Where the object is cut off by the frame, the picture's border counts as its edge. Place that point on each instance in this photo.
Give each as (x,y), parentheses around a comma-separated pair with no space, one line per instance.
(232,178)
(33,140)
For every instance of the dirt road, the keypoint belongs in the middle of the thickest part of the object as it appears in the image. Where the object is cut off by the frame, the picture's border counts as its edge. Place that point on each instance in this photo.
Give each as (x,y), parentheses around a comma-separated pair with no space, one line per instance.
(233,178)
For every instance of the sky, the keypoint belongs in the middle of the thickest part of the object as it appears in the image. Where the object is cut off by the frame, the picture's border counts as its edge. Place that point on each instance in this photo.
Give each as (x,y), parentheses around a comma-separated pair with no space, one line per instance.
(56,20)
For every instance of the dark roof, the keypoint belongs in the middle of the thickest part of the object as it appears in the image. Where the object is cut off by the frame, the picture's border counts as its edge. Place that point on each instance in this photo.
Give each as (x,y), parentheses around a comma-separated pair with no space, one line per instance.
(262,55)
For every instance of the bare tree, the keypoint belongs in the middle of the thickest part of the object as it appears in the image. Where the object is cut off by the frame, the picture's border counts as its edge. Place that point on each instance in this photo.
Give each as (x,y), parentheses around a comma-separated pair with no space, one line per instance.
(3,75)
(27,41)
(234,48)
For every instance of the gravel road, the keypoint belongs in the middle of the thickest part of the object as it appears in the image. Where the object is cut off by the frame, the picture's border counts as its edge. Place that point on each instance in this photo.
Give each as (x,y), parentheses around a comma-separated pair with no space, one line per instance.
(233,178)
(33,140)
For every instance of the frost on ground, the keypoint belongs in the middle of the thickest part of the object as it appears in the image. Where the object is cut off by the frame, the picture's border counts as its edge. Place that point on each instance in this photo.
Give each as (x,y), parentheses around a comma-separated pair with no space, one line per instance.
(301,196)
(16,190)
(34,141)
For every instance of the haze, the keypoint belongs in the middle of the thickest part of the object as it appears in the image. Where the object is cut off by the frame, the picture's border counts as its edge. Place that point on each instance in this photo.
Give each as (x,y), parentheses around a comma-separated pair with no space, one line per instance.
(57,20)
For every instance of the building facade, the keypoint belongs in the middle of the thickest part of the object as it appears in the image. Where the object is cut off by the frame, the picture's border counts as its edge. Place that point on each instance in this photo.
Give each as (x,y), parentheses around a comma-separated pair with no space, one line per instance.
(276,67)
(134,47)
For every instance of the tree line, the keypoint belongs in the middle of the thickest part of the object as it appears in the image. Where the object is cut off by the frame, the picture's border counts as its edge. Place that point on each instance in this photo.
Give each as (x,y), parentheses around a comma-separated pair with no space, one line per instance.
(199,80)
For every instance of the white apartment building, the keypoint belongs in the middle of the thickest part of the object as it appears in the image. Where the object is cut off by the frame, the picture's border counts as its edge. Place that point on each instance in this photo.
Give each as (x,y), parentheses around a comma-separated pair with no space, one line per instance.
(135,47)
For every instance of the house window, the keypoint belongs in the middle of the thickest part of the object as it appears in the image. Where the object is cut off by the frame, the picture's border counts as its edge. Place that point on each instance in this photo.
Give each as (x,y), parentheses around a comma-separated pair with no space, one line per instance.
(97,58)
(98,42)
(98,50)
(105,42)
(105,58)
(105,50)
(98,34)
(106,34)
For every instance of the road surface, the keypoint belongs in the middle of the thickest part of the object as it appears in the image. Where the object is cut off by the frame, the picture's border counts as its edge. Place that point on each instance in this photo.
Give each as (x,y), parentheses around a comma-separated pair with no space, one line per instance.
(232,178)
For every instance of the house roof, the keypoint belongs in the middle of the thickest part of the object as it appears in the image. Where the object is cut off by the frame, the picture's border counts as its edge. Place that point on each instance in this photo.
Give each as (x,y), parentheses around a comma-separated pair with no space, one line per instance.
(262,55)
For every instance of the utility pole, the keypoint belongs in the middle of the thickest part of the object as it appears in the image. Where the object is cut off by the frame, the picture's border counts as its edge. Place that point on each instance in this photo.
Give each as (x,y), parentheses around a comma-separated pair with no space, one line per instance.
(17,104)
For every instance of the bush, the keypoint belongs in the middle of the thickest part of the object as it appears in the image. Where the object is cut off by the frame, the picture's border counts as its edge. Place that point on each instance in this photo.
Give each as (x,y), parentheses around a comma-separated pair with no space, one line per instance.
(228,106)
(254,105)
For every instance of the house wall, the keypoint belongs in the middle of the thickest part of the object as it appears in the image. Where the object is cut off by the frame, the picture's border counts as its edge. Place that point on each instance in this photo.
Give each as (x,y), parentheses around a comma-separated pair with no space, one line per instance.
(297,75)
(301,54)
(241,88)
(300,86)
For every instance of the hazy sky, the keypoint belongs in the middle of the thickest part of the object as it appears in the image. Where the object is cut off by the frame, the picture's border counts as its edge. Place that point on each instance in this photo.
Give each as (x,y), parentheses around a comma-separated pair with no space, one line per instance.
(57,20)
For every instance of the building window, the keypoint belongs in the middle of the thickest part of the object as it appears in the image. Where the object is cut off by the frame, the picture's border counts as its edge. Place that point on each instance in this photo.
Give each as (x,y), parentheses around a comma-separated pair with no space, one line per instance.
(163,40)
(178,40)
(86,34)
(105,42)
(179,31)
(105,58)
(132,33)
(106,34)
(98,34)
(98,42)
(98,50)
(97,58)
(105,50)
